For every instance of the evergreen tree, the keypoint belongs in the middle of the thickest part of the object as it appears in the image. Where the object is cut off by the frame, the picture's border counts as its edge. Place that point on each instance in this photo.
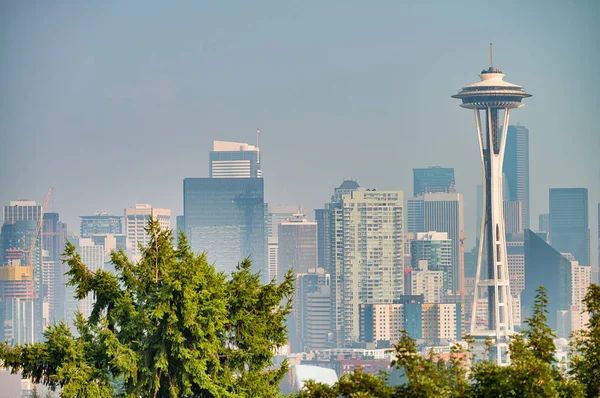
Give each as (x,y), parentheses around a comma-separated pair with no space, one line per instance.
(168,326)
(585,364)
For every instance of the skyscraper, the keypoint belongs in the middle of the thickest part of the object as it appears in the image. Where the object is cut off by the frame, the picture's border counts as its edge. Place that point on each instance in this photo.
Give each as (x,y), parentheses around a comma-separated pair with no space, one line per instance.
(226,218)
(278,213)
(367,256)
(441,212)
(544,265)
(297,246)
(234,160)
(492,99)
(136,220)
(433,179)
(544,222)
(569,222)
(100,223)
(516,168)
(513,216)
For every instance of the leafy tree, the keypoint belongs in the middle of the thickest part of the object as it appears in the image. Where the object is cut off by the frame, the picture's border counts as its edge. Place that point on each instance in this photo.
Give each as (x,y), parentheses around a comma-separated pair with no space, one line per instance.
(357,384)
(167,326)
(585,364)
(532,371)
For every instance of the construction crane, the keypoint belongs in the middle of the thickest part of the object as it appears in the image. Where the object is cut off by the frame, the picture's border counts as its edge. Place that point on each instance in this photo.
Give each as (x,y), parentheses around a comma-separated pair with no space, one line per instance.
(38,229)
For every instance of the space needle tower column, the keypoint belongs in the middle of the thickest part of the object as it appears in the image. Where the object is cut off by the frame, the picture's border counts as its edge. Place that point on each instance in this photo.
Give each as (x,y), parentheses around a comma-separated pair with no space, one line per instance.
(492,99)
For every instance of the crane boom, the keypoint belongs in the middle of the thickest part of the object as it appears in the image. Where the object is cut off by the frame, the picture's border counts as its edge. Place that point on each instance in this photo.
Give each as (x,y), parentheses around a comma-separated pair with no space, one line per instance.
(38,228)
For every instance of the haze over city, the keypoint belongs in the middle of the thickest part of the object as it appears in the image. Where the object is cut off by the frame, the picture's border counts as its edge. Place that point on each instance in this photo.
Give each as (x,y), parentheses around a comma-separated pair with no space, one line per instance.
(114,104)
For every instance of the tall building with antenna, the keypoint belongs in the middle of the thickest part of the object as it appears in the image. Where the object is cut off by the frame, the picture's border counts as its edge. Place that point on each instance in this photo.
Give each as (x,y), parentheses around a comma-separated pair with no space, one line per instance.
(491,99)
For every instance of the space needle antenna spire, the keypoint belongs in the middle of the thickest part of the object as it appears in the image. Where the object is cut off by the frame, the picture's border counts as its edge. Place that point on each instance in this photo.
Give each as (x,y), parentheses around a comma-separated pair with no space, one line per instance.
(491,99)
(491,56)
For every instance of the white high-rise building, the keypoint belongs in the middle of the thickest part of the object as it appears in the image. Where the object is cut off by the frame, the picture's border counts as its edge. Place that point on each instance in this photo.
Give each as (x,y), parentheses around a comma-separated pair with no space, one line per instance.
(93,256)
(367,255)
(136,220)
(428,283)
(234,160)
(272,258)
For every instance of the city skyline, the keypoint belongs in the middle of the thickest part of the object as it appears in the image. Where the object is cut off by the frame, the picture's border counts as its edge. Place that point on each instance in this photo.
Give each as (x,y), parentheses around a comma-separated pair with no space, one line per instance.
(267,70)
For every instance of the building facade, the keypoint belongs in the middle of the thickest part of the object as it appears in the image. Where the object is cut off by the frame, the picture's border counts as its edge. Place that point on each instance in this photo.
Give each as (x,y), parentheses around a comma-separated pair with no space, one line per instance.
(432,251)
(441,212)
(234,160)
(136,222)
(100,223)
(516,168)
(226,218)
(433,179)
(368,256)
(297,245)
(569,222)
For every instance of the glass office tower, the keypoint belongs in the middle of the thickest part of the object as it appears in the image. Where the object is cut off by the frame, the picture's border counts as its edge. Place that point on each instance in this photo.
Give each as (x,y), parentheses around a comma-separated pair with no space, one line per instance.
(226,218)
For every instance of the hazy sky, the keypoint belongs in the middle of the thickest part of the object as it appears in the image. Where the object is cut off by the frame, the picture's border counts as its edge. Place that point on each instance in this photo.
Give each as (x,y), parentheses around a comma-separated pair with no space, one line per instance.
(113,103)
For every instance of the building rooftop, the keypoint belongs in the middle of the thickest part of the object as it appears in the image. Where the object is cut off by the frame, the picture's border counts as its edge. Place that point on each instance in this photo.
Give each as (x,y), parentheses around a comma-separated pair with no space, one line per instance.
(230,146)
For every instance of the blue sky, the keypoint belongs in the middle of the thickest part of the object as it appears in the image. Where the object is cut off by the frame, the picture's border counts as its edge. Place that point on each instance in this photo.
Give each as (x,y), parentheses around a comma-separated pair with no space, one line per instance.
(114,103)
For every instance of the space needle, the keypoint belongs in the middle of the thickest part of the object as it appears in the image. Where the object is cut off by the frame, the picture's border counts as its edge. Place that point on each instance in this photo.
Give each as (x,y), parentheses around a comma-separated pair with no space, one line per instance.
(491,99)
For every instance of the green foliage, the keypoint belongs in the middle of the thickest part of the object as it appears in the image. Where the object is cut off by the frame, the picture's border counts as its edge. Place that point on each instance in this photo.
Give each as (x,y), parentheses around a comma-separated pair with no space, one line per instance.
(357,384)
(585,364)
(167,326)
(532,371)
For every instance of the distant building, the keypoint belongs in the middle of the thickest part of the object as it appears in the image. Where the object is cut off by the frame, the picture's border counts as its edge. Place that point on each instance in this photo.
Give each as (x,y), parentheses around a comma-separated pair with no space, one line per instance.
(234,160)
(226,218)
(544,222)
(100,223)
(516,168)
(136,222)
(278,213)
(433,179)
(569,222)
(16,300)
(367,256)
(442,212)
(513,216)
(432,251)
(310,320)
(545,266)
(273,259)
(297,245)
(93,256)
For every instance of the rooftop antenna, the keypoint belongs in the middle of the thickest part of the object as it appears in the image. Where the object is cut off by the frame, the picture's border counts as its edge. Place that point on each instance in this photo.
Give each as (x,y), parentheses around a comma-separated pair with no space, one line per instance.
(491,57)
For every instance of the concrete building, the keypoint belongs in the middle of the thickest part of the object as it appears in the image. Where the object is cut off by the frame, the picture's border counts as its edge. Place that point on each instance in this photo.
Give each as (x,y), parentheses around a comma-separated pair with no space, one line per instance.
(136,221)
(273,259)
(381,322)
(569,222)
(94,257)
(234,160)
(516,169)
(101,223)
(310,320)
(428,283)
(441,212)
(433,179)
(435,250)
(279,213)
(297,245)
(544,222)
(16,300)
(441,322)
(367,256)
(513,216)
